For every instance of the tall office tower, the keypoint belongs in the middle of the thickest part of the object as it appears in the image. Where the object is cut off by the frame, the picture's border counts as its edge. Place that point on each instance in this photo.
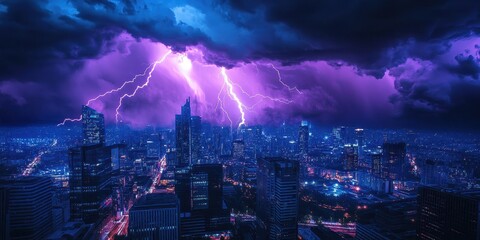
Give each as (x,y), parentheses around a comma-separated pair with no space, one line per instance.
(238,149)
(90,173)
(207,185)
(196,138)
(153,146)
(26,208)
(119,156)
(448,214)
(394,162)
(277,198)
(303,138)
(222,140)
(376,168)
(205,212)
(183,135)
(155,216)
(343,135)
(350,157)
(359,137)
(93,126)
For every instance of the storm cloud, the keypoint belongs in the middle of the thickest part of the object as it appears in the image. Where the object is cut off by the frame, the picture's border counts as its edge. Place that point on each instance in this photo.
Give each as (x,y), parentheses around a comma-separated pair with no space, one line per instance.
(372,63)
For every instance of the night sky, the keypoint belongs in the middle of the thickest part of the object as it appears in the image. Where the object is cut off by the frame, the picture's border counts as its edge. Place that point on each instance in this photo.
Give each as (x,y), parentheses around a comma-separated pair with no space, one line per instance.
(376,63)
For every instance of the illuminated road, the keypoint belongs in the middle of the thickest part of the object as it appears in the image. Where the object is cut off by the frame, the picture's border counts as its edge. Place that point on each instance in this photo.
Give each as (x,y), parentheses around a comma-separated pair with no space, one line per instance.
(120,228)
(36,160)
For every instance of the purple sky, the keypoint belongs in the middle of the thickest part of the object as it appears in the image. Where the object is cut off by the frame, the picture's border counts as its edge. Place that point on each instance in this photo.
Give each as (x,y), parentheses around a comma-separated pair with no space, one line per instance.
(362,76)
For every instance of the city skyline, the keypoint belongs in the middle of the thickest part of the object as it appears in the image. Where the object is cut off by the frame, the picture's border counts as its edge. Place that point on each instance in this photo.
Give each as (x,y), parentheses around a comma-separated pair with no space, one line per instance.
(239,120)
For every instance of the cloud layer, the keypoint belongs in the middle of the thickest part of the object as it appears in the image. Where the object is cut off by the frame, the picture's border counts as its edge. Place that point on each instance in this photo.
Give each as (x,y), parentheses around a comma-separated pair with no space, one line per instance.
(375,63)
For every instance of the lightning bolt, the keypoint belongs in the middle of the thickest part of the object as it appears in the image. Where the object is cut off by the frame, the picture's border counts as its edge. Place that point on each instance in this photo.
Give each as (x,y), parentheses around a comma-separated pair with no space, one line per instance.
(281,100)
(119,88)
(129,95)
(70,120)
(283,83)
(220,103)
(233,96)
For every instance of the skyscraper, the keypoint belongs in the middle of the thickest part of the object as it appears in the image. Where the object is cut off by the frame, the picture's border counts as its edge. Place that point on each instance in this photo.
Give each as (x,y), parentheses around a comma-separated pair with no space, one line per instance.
(188,136)
(377,166)
(93,126)
(394,160)
(344,135)
(196,137)
(182,132)
(448,214)
(277,198)
(90,173)
(359,137)
(238,149)
(26,208)
(201,198)
(350,157)
(303,138)
(155,216)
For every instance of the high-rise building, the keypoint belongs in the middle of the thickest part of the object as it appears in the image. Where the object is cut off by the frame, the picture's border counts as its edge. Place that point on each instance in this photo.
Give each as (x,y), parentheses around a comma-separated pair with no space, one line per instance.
(188,130)
(448,214)
(183,136)
(394,162)
(377,166)
(344,135)
(200,192)
(26,208)
(359,137)
(222,140)
(350,157)
(277,198)
(196,138)
(238,149)
(93,126)
(155,216)
(119,156)
(153,146)
(303,134)
(90,173)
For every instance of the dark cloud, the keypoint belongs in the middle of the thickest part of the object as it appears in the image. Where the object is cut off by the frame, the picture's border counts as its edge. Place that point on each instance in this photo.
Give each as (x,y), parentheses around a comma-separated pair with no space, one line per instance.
(373,35)
(46,42)
(431,96)
(468,66)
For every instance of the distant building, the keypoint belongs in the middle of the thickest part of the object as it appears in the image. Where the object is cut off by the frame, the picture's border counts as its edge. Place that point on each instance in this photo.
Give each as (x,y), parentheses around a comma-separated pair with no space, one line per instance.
(359,137)
(394,162)
(90,173)
(155,216)
(377,164)
(93,126)
(153,146)
(277,198)
(119,156)
(26,208)
(303,135)
(448,214)
(238,149)
(432,173)
(350,157)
